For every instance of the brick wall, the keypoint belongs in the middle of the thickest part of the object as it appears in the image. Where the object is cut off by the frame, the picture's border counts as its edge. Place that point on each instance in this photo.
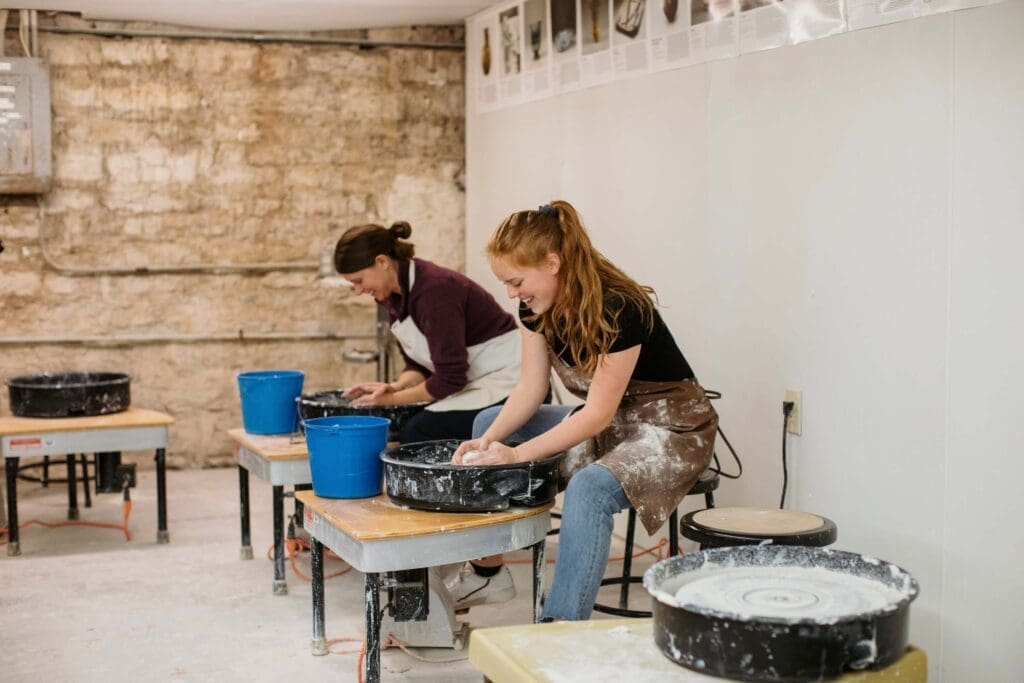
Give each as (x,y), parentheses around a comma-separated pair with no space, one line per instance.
(204,151)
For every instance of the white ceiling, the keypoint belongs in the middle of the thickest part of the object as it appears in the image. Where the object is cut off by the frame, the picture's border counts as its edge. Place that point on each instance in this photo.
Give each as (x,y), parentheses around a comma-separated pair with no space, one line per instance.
(270,15)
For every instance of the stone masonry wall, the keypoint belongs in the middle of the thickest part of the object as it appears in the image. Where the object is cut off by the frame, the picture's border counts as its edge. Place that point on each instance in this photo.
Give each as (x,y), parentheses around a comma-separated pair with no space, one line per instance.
(206,151)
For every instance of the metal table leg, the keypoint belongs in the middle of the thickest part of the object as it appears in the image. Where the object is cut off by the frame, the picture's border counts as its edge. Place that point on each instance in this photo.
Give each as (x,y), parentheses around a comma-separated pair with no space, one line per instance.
(13,544)
(161,496)
(85,480)
(371,664)
(243,494)
(673,534)
(299,507)
(538,579)
(316,557)
(280,585)
(72,487)
(627,561)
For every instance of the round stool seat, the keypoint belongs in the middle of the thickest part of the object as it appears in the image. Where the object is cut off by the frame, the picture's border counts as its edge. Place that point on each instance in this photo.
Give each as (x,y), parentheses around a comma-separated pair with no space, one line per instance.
(721,527)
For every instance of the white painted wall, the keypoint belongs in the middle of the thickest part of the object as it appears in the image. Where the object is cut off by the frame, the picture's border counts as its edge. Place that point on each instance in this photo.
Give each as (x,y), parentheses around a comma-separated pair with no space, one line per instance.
(845,217)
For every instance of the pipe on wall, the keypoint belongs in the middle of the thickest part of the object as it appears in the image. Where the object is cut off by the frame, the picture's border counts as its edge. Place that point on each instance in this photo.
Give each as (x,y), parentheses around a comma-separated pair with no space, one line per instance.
(248,37)
(149,340)
(184,269)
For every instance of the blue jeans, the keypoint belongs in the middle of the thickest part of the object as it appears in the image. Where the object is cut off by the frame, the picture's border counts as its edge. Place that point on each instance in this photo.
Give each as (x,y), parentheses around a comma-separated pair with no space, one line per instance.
(592,499)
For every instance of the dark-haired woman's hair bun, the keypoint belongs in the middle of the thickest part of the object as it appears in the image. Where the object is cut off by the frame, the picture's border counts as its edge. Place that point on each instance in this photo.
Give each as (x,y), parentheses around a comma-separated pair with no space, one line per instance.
(400,230)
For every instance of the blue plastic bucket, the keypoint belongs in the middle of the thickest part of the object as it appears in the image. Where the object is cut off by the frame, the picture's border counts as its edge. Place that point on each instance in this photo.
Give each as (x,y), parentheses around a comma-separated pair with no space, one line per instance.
(344,454)
(268,400)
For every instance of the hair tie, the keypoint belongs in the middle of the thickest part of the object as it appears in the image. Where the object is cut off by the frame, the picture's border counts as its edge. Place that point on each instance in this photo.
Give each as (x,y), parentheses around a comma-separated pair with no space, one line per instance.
(548,210)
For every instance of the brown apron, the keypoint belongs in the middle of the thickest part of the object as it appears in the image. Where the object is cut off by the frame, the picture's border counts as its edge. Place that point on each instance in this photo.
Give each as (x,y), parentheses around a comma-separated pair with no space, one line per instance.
(658,443)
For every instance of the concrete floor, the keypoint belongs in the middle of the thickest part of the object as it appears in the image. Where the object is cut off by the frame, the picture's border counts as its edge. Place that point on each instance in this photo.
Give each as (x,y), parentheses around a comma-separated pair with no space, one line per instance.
(81,604)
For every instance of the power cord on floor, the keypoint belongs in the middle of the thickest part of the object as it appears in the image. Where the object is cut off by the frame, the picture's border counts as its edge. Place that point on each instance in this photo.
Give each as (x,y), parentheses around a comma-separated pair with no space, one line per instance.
(787,408)
(123,527)
(294,546)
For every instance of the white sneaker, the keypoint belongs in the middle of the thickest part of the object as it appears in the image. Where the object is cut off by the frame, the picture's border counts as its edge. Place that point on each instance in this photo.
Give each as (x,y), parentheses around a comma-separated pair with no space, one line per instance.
(468,588)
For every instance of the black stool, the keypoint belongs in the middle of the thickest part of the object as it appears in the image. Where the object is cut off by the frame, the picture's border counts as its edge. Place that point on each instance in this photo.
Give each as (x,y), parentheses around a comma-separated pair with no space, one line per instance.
(733,526)
(705,485)
(73,461)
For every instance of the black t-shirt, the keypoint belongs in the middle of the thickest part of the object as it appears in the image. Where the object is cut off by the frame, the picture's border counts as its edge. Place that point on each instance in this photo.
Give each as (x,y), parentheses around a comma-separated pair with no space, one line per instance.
(660,358)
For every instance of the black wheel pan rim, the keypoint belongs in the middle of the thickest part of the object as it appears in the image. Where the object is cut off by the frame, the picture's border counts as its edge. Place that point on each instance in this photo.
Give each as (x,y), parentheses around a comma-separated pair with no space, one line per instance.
(69,394)
(412,472)
(333,403)
(778,649)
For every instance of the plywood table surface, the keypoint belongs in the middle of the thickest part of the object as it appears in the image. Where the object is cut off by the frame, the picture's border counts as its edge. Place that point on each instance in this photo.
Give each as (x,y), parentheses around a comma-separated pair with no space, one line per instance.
(133,417)
(614,651)
(377,518)
(271,447)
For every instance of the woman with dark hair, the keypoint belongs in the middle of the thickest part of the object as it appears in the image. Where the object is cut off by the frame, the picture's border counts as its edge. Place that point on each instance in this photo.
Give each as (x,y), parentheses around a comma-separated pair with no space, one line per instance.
(646,429)
(461,349)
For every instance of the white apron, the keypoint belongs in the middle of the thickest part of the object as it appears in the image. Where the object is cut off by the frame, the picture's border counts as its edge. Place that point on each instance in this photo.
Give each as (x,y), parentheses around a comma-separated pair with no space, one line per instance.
(493,365)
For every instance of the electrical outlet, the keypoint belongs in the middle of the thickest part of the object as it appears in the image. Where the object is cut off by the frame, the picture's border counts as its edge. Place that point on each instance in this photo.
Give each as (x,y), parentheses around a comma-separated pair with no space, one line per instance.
(794,425)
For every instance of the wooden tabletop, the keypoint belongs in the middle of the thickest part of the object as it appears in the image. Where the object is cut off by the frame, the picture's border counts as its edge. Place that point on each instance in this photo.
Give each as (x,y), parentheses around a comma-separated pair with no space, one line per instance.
(377,518)
(612,651)
(133,417)
(272,447)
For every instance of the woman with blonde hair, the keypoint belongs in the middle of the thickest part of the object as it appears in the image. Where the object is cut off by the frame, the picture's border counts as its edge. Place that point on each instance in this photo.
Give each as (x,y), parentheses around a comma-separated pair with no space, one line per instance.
(646,426)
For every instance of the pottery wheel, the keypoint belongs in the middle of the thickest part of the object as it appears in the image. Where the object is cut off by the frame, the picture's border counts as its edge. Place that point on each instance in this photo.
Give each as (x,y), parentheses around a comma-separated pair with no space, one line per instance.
(759,521)
(785,592)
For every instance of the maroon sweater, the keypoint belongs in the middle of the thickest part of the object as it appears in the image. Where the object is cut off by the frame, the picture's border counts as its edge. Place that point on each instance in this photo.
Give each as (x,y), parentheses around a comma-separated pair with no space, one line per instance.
(453,313)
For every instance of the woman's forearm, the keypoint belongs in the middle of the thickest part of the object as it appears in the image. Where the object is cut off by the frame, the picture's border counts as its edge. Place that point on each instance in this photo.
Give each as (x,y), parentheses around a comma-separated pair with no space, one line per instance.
(603,398)
(408,379)
(414,394)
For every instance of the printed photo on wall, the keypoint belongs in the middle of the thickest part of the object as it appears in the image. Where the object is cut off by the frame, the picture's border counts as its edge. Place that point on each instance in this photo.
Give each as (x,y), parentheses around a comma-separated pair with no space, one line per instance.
(596,26)
(629,18)
(629,41)
(563,25)
(485,52)
(813,19)
(510,24)
(537,79)
(535,17)
(668,30)
(480,34)
(664,17)
(764,24)
(703,11)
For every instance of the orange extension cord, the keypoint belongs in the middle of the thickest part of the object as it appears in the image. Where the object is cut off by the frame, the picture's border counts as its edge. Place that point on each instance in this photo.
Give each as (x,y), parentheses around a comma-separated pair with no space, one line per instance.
(293,547)
(76,522)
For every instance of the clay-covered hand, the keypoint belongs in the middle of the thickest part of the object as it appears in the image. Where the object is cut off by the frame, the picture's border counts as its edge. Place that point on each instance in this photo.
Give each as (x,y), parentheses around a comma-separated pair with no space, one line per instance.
(496,454)
(471,446)
(364,388)
(382,395)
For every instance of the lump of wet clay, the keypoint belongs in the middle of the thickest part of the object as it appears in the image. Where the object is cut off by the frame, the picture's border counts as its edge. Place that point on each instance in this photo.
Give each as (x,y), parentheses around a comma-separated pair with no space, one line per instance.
(470,457)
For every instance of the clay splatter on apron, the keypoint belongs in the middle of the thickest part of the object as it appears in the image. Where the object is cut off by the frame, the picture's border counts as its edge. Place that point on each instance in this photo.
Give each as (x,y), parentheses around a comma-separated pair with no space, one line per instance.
(658,443)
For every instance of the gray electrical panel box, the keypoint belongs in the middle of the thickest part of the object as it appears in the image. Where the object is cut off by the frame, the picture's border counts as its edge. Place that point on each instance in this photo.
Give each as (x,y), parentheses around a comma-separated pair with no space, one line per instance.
(25,163)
